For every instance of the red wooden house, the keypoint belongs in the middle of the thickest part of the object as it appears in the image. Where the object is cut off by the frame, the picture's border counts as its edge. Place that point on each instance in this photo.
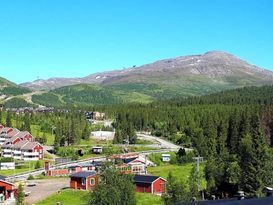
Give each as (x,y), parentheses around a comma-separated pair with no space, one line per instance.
(86,180)
(150,184)
(7,190)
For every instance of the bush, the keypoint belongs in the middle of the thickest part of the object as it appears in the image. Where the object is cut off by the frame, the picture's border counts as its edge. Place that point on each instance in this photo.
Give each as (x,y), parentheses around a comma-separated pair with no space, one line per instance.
(30,177)
(6,159)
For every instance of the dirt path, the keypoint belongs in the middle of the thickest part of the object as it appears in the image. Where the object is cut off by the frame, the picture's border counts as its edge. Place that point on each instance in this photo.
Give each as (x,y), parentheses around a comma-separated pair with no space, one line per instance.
(45,188)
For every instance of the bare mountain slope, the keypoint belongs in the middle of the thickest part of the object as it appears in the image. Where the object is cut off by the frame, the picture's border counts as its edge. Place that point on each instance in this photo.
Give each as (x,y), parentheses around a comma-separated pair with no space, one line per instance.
(213,68)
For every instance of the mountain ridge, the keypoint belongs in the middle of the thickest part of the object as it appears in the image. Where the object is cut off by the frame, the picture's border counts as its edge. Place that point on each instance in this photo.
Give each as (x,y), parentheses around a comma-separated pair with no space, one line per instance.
(211,64)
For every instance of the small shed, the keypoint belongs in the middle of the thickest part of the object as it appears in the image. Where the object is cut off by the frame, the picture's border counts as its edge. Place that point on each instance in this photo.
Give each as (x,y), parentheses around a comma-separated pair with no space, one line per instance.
(150,184)
(97,149)
(166,157)
(85,180)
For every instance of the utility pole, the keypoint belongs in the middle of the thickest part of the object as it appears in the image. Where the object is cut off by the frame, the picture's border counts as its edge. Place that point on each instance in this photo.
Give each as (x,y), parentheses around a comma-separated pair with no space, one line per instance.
(198,160)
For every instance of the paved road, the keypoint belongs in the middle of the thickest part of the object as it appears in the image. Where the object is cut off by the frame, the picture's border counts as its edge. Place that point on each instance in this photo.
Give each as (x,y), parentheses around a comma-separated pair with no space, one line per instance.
(45,188)
(163,143)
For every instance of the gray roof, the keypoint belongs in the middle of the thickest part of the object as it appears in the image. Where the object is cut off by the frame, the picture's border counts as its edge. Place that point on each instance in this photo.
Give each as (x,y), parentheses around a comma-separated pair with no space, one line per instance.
(84,174)
(20,144)
(145,178)
(13,133)
(5,129)
(7,145)
(30,146)
(22,134)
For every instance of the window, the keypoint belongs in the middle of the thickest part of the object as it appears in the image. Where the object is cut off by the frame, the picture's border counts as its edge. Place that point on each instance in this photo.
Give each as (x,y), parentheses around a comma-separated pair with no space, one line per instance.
(83,181)
(92,181)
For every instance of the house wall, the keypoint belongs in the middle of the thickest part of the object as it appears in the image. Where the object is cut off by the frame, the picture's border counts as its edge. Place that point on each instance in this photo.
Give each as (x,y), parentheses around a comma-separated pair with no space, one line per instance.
(40,150)
(76,183)
(57,172)
(16,140)
(159,186)
(144,187)
(28,137)
(95,180)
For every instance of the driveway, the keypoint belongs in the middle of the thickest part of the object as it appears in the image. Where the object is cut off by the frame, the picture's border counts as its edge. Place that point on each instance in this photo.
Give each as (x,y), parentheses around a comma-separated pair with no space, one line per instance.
(45,188)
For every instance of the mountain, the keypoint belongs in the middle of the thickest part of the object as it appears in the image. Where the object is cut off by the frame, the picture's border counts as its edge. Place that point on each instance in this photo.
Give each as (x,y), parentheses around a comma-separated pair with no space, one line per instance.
(184,76)
(189,75)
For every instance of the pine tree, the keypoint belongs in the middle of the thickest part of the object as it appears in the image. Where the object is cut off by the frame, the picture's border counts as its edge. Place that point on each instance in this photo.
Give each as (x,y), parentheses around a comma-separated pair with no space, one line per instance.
(20,195)
(85,133)
(254,159)
(8,120)
(176,191)
(193,182)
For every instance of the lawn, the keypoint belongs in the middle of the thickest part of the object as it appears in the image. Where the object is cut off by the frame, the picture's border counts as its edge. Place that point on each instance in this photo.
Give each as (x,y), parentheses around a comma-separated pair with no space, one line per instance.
(181,172)
(71,197)
(145,198)
(67,197)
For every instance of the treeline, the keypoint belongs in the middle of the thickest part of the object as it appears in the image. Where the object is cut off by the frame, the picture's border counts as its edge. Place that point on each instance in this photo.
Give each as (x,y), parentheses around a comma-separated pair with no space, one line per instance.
(13,90)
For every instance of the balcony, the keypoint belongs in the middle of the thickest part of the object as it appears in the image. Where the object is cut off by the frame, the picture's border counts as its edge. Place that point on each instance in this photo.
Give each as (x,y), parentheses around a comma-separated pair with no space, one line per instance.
(31,158)
(17,157)
(17,152)
(7,155)
(36,154)
(7,151)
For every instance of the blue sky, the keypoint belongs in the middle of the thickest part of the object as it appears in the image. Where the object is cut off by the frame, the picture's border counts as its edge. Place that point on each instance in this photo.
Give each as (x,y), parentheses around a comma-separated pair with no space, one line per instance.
(74,38)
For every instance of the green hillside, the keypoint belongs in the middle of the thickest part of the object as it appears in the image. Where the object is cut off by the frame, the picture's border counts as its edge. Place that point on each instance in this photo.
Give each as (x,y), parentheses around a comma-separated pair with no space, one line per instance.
(86,95)
(17,102)
(9,88)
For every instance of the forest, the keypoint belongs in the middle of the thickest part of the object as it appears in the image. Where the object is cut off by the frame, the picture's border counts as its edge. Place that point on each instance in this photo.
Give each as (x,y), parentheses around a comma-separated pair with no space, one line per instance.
(232,130)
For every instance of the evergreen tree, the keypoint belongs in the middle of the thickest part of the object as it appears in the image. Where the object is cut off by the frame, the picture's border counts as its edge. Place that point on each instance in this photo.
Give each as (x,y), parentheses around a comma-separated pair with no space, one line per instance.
(176,191)
(254,159)
(114,188)
(193,182)
(85,133)
(20,195)
(8,120)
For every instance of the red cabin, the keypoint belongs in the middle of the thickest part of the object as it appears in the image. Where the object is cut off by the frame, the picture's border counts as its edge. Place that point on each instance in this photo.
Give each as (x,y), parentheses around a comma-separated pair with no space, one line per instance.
(150,184)
(86,180)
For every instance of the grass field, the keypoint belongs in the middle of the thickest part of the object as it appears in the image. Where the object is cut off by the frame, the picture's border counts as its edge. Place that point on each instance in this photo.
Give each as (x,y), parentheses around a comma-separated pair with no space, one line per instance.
(67,197)
(181,172)
(148,199)
(26,166)
(35,130)
(72,197)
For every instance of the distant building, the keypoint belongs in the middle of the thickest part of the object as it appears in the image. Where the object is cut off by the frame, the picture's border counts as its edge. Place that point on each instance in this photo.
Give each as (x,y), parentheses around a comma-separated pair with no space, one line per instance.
(166,157)
(7,165)
(96,150)
(98,115)
(85,180)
